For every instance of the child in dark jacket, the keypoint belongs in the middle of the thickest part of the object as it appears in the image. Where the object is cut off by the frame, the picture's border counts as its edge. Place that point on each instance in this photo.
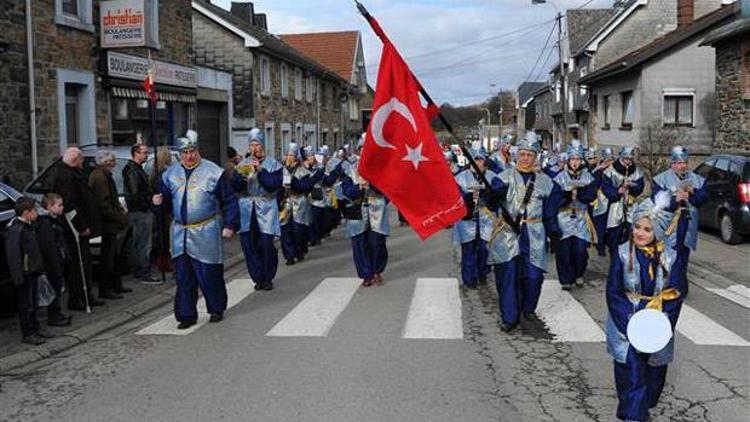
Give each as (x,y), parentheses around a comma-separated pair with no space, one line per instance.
(51,231)
(25,264)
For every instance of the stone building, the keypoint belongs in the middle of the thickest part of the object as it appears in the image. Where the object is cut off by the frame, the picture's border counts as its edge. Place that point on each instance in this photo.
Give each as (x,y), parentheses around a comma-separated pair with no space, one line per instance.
(668,83)
(732,44)
(276,88)
(85,94)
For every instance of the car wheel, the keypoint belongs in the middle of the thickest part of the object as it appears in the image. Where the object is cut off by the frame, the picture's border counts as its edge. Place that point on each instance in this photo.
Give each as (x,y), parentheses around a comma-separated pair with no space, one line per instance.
(728,233)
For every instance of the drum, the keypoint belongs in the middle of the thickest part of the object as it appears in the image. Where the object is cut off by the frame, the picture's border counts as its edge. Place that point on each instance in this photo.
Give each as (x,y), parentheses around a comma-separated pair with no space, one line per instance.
(649,330)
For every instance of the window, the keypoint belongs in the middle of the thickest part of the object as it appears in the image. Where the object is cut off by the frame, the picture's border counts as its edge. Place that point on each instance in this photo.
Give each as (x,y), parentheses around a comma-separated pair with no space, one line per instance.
(76,105)
(678,110)
(353,109)
(298,84)
(265,76)
(284,75)
(720,174)
(309,87)
(72,115)
(324,95)
(74,13)
(270,138)
(703,170)
(628,109)
(607,112)
(6,202)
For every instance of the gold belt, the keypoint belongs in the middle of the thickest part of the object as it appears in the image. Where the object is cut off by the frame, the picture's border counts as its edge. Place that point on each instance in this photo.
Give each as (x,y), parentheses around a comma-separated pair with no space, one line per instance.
(200,223)
(656,301)
(531,220)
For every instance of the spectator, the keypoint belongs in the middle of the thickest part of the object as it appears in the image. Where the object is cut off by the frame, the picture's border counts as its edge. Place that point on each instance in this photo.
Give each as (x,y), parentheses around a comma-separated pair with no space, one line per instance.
(71,184)
(114,225)
(164,160)
(51,231)
(138,195)
(25,265)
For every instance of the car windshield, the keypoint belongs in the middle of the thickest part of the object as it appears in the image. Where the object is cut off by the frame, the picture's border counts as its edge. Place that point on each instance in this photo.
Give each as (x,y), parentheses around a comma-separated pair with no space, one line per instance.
(6,202)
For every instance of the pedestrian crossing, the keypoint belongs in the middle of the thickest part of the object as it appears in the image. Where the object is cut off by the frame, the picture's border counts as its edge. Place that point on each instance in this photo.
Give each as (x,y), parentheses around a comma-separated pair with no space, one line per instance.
(237,291)
(737,293)
(435,312)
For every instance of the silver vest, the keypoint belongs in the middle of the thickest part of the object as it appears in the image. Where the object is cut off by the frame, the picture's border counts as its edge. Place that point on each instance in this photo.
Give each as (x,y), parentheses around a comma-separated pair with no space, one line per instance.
(505,246)
(574,220)
(466,230)
(264,202)
(375,215)
(297,203)
(670,182)
(199,235)
(616,209)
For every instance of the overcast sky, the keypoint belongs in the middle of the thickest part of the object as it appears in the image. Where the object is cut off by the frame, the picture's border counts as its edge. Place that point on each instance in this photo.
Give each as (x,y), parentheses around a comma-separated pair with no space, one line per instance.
(457,48)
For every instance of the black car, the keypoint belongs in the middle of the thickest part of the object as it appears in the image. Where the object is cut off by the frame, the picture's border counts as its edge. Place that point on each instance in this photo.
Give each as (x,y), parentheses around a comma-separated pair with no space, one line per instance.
(728,186)
(8,198)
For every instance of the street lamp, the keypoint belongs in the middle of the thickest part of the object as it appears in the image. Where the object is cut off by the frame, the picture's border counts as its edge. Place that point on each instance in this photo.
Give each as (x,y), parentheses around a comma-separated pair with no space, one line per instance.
(489,127)
(500,123)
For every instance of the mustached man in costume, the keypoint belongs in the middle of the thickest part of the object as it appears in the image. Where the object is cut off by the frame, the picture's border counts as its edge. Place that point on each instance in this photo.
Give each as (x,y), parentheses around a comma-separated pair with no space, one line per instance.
(600,207)
(473,231)
(578,189)
(204,209)
(518,247)
(299,178)
(623,182)
(367,224)
(643,275)
(259,185)
(688,193)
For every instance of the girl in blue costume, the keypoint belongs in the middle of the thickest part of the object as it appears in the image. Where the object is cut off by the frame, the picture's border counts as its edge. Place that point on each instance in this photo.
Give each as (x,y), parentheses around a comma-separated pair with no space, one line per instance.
(642,273)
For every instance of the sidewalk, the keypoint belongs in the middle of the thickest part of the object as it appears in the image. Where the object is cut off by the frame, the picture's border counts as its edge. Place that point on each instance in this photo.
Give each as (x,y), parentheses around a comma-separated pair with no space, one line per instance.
(142,300)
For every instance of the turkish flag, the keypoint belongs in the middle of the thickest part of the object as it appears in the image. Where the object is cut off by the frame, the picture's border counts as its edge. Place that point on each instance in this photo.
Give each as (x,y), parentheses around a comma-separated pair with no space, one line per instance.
(401,155)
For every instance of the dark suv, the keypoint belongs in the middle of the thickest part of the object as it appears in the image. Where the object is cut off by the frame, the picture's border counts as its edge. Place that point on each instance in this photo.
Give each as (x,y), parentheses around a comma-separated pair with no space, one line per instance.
(728,206)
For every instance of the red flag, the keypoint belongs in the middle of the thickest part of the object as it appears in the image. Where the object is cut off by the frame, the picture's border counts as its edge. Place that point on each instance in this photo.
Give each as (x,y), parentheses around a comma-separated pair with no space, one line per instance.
(148,86)
(402,156)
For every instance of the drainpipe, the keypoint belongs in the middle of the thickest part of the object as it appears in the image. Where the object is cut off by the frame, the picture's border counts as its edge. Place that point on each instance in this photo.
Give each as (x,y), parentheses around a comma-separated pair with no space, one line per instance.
(32,90)
(317,125)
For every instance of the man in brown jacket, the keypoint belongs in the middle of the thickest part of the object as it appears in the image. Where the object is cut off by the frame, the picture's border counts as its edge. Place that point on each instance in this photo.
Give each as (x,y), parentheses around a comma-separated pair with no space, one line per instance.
(114,224)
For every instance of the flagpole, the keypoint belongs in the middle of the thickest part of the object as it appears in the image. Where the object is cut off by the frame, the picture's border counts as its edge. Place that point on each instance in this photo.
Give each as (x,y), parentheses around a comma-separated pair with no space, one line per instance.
(152,117)
(462,144)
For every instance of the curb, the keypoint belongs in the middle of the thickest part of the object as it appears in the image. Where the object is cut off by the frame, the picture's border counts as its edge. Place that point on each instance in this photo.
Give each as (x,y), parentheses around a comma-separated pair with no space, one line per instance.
(82,335)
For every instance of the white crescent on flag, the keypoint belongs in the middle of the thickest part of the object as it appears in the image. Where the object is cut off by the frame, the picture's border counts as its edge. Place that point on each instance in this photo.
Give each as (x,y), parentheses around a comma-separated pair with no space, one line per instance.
(381,116)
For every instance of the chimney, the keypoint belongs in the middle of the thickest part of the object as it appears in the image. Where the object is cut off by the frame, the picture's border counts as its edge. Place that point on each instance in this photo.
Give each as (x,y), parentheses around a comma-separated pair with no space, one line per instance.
(685,12)
(261,21)
(244,11)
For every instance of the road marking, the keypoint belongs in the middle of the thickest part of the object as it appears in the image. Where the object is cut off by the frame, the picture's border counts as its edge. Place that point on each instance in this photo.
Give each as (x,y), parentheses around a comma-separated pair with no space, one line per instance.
(316,314)
(565,317)
(237,290)
(702,330)
(737,293)
(435,310)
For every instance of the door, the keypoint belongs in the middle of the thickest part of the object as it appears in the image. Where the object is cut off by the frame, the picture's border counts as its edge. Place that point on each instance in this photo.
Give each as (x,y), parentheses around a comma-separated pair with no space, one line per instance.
(209,130)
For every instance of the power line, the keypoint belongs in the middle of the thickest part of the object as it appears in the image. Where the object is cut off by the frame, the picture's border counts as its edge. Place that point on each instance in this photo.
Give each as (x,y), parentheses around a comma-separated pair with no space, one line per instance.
(544,65)
(541,52)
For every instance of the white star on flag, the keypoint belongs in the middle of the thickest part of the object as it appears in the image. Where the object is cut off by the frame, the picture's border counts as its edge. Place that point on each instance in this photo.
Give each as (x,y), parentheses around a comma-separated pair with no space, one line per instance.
(414,155)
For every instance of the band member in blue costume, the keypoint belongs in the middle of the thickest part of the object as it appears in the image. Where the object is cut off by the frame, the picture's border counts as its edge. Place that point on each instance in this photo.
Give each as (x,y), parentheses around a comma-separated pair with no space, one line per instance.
(642,274)
(600,207)
(467,232)
(578,190)
(261,181)
(299,178)
(204,209)
(367,224)
(688,193)
(531,199)
(623,182)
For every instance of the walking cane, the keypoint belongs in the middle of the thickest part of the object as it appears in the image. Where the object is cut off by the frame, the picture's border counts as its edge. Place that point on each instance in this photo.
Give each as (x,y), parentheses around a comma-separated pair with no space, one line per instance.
(69,216)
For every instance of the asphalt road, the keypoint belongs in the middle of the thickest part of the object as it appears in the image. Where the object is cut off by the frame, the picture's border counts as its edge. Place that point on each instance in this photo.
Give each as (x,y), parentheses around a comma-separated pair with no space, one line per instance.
(363,368)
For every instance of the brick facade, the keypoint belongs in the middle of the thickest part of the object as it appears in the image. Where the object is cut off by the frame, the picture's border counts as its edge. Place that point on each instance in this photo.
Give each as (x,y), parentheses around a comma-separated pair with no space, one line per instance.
(61,48)
(15,146)
(732,102)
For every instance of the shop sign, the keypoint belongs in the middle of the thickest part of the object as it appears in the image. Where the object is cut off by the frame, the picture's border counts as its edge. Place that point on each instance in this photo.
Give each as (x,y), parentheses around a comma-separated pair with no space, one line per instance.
(135,68)
(123,23)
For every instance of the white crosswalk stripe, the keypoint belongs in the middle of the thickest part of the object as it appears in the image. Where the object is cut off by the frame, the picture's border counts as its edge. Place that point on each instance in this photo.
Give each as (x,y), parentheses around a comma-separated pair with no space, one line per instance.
(737,293)
(702,330)
(237,290)
(565,317)
(316,314)
(435,310)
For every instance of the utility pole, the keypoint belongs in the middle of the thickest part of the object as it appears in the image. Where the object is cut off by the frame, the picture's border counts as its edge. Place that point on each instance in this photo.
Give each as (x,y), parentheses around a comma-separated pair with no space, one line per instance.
(563,87)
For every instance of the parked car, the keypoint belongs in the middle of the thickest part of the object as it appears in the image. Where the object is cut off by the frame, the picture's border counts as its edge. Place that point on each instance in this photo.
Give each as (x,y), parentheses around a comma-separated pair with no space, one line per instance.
(8,198)
(728,206)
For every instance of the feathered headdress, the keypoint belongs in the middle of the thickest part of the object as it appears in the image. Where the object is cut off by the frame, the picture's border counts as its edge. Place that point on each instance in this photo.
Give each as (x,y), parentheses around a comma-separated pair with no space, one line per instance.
(655,210)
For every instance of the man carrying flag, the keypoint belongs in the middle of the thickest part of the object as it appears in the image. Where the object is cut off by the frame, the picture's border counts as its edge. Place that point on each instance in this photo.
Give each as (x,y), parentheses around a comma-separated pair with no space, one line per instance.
(401,156)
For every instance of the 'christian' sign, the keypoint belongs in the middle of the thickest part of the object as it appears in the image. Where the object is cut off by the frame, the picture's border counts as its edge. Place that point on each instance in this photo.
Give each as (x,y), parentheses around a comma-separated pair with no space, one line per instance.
(123,23)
